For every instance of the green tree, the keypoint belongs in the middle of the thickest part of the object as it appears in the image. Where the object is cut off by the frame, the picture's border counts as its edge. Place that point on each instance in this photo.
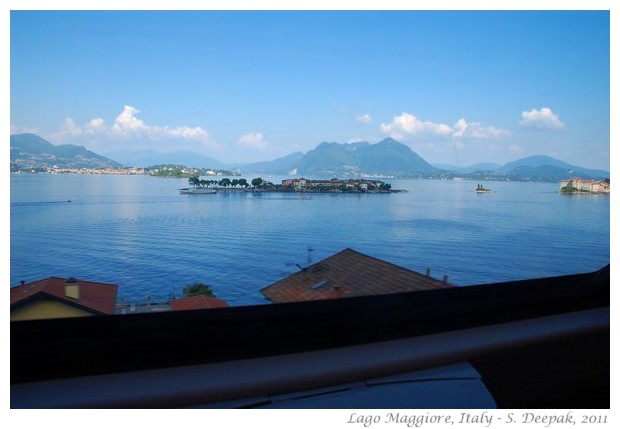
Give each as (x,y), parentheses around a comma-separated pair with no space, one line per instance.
(196,289)
(257,182)
(194,181)
(225,182)
(568,190)
(235,182)
(244,183)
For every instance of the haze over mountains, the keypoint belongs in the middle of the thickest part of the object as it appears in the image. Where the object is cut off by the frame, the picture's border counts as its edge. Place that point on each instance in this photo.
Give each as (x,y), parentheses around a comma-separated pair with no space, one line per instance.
(388,158)
(145,158)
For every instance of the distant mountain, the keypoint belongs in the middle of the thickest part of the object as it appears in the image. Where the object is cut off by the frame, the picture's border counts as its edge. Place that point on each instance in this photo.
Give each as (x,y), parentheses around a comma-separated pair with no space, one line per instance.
(394,158)
(538,168)
(29,151)
(546,168)
(281,165)
(146,158)
(386,158)
(535,161)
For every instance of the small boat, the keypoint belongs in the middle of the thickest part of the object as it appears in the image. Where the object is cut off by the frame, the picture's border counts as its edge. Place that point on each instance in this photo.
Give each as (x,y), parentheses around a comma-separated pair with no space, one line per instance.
(482,189)
(199,191)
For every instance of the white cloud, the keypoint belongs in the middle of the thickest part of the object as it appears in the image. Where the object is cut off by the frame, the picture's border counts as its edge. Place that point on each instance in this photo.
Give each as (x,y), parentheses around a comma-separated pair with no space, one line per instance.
(127,123)
(543,118)
(128,126)
(71,128)
(15,129)
(253,140)
(407,124)
(195,133)
(68,131)
(95,126)
(364,119)
(96,123)
(358,140)
(463,129)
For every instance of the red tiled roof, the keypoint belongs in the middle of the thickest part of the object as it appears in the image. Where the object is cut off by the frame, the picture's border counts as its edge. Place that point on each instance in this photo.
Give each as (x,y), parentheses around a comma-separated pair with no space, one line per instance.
(199,302)
(346,274)
(97,297)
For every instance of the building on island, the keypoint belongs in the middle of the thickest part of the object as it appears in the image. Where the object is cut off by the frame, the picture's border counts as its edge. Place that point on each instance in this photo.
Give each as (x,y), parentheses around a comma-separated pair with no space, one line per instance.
(347,274)
(55,297)
(584,185)
(334,184)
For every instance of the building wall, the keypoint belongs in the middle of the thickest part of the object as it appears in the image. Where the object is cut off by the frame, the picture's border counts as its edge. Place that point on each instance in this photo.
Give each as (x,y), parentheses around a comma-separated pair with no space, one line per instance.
(585,185)
(46,309)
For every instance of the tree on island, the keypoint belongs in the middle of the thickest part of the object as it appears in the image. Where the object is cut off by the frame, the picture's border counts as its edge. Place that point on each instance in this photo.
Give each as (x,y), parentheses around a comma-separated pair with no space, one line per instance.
(196,289)
(194,181)
(257,182)
(244,183)
(568,190)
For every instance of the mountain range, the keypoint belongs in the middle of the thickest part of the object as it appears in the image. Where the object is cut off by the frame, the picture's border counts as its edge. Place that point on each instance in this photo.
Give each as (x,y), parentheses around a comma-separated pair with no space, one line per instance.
(391,158)
(388,158)
(31,152)
(538,168)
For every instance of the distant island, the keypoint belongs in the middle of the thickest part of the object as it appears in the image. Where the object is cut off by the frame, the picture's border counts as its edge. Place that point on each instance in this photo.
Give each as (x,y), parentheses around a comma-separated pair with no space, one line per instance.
(482,189)
(299,185)
(577,185)
(181,171)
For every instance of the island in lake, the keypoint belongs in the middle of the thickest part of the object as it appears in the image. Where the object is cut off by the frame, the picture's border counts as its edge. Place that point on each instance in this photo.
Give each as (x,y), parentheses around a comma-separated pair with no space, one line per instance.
(584,186)
(205,186)
(481,189)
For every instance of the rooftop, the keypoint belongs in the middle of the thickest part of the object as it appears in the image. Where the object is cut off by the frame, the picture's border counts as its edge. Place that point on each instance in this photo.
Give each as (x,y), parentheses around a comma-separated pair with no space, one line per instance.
(346,274)
(92,296)
(199,302)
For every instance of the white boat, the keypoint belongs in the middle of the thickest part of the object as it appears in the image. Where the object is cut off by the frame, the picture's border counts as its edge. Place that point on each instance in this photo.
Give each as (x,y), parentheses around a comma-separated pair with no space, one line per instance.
(198,191)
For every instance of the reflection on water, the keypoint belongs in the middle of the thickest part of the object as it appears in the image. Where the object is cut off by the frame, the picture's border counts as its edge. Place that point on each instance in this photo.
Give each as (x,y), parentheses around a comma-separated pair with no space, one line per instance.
(140,233)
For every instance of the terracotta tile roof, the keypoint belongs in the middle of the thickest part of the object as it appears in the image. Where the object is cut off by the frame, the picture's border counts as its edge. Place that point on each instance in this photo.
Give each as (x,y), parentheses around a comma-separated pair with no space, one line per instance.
(199,302)
(348,273)
(94,297)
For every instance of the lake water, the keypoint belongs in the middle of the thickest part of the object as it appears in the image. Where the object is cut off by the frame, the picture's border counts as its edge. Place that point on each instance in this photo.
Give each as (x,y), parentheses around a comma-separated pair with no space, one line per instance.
(140,233)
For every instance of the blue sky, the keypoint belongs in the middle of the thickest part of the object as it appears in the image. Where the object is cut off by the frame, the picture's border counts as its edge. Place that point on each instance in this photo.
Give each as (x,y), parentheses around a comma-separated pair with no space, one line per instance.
(458,87)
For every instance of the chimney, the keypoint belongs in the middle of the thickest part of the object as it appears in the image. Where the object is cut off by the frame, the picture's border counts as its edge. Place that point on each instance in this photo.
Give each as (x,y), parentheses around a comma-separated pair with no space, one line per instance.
(445,279)
(72,288)
(337,292)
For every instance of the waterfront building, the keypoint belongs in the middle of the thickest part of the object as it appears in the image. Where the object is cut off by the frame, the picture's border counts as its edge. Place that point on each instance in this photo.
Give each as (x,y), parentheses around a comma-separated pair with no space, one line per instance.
(198,302)
(586,185)
(347,274)
(335,183)
(55,297)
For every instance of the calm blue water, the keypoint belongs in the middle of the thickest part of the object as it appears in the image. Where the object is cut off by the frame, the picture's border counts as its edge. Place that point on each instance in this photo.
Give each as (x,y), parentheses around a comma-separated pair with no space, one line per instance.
(140,233)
